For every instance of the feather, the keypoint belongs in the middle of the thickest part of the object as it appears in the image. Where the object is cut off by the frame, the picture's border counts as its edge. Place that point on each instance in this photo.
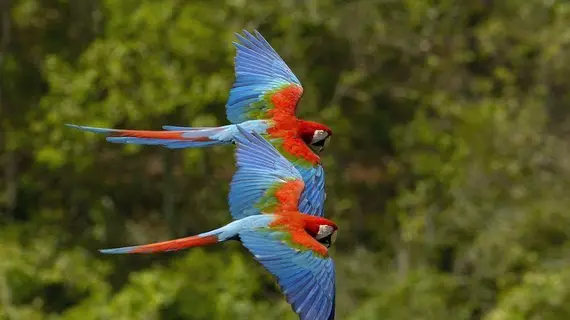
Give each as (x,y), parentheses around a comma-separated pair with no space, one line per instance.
(262,172)
(299,273)
(260,73)
(195,138)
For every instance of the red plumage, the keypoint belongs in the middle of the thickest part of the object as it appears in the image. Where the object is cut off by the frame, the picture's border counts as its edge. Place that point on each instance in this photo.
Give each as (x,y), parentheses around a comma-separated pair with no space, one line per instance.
(148,134)
(303,229)
(177,244)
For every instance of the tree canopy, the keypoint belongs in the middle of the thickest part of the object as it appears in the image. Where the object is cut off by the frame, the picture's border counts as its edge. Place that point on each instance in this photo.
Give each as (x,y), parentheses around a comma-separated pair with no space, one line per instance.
(448,172)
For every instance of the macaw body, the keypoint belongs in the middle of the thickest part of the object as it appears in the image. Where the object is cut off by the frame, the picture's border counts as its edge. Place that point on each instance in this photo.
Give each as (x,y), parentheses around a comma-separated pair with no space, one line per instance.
(263,99)
(264,202)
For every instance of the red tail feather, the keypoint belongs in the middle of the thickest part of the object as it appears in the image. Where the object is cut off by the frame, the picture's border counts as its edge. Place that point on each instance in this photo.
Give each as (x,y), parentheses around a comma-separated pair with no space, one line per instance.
(146,134)
(174,245)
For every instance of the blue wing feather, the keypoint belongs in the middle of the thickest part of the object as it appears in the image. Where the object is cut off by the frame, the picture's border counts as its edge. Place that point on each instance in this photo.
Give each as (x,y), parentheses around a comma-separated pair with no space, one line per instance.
(260,167)
(261,159)
(312,199)
(307,280)
(259,70)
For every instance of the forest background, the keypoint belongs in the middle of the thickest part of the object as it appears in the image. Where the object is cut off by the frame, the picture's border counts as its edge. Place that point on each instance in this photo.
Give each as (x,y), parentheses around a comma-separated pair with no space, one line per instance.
(448,172)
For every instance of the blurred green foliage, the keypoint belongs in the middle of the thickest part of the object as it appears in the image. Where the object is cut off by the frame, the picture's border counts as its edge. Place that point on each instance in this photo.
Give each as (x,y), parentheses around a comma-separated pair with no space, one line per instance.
(448,171)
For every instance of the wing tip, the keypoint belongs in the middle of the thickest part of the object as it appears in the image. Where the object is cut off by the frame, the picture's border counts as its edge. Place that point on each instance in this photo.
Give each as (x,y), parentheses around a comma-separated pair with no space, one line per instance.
(247,33)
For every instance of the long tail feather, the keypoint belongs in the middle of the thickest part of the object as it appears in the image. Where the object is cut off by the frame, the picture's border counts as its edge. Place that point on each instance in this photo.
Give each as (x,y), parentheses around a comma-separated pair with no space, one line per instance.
(227,232)
(171,245)
(176,128)
(186,138)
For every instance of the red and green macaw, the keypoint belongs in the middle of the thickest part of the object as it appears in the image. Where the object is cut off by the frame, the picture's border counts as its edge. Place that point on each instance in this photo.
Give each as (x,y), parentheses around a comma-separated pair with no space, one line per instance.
(263,99)
(265,204)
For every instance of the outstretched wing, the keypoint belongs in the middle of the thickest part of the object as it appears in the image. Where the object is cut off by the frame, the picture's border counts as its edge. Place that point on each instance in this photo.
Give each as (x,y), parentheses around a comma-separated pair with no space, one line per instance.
(306,277)
(264,82)
(265,182)
(313,197)
(265,88)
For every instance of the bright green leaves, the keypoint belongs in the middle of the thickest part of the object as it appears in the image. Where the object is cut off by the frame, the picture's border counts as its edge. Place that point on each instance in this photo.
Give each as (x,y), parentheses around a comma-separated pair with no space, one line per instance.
(447,172)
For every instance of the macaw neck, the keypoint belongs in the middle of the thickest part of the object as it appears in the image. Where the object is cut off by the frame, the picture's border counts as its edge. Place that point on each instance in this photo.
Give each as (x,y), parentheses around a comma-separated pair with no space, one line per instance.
(292,143)
(306,220)
(303,229)
(303,131)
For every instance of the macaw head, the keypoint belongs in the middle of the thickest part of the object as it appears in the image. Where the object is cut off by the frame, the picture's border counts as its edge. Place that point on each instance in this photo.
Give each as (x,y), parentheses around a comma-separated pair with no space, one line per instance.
(314,134)
(326,235)
(323,230)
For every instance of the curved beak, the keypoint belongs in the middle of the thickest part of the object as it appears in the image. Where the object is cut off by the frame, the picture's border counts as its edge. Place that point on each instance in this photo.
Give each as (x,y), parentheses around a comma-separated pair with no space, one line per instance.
(319,146)
(326,241)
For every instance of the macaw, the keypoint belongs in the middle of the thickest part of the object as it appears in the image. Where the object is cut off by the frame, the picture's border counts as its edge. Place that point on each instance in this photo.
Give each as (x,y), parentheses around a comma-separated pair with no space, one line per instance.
(263,99)
(264,203)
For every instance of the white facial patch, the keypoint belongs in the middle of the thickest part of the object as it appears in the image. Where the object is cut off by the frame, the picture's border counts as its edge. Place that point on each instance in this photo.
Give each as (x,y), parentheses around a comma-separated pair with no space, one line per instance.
(319,135)
(324,231)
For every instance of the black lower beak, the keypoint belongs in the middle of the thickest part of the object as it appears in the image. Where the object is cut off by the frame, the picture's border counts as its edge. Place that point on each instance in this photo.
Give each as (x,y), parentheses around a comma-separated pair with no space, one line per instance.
(326,241)
(319,146)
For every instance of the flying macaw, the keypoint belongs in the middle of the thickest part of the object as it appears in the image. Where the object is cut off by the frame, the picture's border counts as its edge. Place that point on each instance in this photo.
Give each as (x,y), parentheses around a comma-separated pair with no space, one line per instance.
(263,99)
(264,203)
